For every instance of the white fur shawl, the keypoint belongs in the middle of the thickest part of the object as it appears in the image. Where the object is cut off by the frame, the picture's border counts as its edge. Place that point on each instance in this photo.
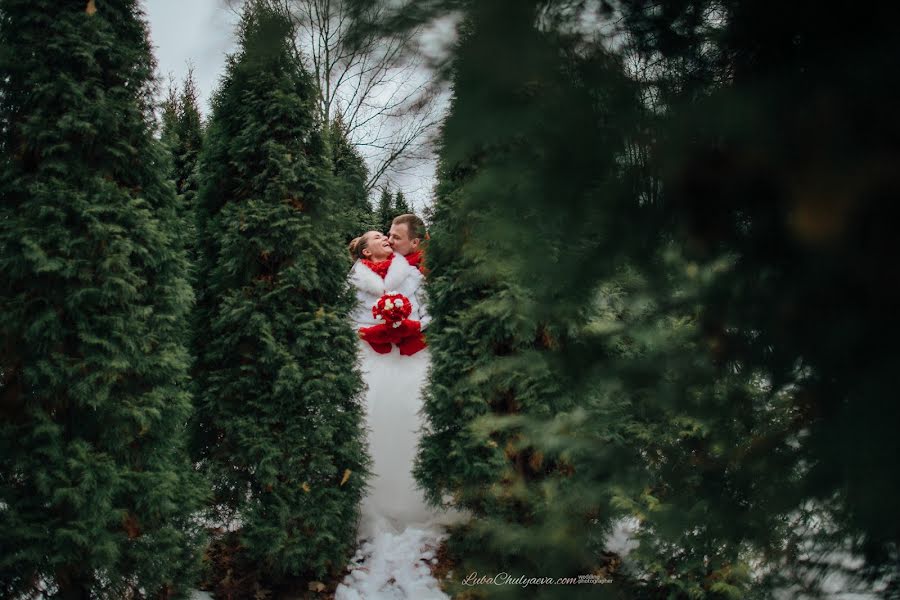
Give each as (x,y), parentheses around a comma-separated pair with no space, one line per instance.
(401,278)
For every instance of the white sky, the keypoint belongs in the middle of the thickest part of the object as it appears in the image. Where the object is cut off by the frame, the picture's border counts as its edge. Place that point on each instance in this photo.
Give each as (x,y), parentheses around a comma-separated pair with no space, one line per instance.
(196,31)
(201,32)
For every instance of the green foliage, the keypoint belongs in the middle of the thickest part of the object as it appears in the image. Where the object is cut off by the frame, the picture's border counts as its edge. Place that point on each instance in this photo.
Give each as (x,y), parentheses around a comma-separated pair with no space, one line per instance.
(97,496)
(390,206)
(762,156)
(400,205)
(384,213)
(279,424)
(506,304)
(351,175)
(182,133)
(703,232)
(169,116)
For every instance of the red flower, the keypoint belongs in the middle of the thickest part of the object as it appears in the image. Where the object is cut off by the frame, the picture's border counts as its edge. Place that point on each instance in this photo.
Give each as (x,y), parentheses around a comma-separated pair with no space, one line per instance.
(392,308)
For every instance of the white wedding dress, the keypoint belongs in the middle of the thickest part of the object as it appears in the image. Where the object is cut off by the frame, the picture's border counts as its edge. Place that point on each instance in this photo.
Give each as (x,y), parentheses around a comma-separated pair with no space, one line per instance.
(399,533)
(393,418)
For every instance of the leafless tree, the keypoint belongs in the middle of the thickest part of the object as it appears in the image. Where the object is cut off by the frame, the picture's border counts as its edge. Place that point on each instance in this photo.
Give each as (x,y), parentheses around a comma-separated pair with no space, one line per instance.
(379,90)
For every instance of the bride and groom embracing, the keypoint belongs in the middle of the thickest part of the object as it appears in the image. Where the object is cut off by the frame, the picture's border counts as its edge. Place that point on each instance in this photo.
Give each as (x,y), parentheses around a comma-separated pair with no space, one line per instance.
(391,317)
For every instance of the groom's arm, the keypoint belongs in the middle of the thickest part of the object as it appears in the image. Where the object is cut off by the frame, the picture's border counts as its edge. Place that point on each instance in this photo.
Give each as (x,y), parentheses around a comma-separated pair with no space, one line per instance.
(422,304)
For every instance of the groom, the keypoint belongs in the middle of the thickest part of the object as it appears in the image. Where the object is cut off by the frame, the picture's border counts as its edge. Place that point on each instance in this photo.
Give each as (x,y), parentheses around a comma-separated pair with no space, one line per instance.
(406,236)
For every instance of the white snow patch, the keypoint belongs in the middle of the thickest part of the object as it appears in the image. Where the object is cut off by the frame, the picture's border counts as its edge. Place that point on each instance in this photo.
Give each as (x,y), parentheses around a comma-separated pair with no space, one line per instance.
(394,566)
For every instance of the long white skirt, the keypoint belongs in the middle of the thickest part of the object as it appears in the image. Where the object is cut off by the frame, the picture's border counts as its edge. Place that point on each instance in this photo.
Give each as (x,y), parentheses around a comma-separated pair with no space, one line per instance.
(394,417)
(399,532)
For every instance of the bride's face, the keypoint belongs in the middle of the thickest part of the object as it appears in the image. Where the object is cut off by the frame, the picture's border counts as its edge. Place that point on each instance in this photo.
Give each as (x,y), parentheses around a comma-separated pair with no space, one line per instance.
(378,247)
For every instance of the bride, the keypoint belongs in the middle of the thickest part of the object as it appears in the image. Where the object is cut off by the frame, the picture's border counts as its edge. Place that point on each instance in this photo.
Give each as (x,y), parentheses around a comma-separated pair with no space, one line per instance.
(394,374)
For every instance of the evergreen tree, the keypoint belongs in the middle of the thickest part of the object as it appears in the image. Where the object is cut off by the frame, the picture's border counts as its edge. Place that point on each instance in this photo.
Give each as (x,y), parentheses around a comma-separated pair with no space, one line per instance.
(169,116)
(527,175)
(563,328)
(384,214)
(733,379)
(96,491)
(801,304)
(390,206)
(190,141)
(400,205)
(279,426)
(182,132)
(351,174)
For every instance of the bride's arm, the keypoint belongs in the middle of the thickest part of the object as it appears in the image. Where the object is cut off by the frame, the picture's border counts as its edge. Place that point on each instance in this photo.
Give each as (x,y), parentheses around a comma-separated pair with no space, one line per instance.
(361,315)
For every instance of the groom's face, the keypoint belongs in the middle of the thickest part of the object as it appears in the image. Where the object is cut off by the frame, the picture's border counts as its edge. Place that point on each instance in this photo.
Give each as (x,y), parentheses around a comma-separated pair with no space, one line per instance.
(400,242)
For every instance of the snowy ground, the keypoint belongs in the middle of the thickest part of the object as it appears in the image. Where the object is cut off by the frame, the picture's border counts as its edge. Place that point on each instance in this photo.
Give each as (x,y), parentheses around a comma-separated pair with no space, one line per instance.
(394,566)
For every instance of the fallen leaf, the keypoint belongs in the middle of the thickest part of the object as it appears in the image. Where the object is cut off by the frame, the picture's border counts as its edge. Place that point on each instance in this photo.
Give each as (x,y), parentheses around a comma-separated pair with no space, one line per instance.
(536,460)
(305,487)
(346,476)
(510,450)
(132,528)
(91,7)
(316,586)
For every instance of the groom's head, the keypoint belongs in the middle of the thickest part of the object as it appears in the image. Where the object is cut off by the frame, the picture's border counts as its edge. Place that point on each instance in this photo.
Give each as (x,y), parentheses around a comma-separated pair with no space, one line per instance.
(406,234)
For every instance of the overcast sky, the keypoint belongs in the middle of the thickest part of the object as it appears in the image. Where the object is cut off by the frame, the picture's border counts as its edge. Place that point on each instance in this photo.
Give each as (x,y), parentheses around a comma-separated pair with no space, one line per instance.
(196,31)
(201,32)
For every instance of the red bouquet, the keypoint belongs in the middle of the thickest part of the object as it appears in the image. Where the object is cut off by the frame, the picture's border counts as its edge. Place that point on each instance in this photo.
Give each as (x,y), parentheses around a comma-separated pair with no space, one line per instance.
(392,309)
(396,328)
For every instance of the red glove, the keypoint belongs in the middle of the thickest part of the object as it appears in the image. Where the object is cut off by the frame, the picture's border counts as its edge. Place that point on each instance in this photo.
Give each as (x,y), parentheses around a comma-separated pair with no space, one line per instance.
(407,335)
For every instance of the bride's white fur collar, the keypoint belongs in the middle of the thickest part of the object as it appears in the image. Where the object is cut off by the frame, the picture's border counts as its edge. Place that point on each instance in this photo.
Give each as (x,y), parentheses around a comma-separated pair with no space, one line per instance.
(366,279)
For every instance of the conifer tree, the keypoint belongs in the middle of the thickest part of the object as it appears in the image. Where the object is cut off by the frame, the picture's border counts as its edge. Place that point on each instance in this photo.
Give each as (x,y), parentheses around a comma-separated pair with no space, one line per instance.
(401,207)
(800,303)
(279,424)
(581,261)
(735,375)
(390,206)
(384,214)
(169,116)
(516,224)
(190,140)
(182,132)
(96,491)
(350,174)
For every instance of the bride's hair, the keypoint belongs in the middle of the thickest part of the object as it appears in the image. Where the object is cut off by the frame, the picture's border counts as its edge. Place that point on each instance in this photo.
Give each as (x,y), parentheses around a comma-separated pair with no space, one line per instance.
(358,245)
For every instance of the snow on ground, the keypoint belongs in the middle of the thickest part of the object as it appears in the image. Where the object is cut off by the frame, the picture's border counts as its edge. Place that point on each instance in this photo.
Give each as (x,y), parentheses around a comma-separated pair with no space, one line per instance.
(394,566)
(620,539)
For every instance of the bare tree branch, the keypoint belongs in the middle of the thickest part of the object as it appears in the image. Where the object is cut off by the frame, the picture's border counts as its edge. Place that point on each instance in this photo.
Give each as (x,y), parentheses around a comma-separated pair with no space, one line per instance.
(385,98)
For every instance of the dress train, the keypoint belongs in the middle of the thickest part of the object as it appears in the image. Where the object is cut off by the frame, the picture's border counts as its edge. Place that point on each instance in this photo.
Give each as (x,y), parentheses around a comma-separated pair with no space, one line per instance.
(399,532)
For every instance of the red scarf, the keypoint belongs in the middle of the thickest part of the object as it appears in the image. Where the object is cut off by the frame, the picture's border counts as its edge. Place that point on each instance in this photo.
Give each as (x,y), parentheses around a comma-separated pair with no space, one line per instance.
(414,258)
(380,268)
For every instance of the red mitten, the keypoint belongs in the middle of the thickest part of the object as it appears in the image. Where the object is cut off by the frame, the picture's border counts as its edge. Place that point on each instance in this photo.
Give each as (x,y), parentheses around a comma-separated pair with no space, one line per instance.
(407,335)
(379,337)
(412,339)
